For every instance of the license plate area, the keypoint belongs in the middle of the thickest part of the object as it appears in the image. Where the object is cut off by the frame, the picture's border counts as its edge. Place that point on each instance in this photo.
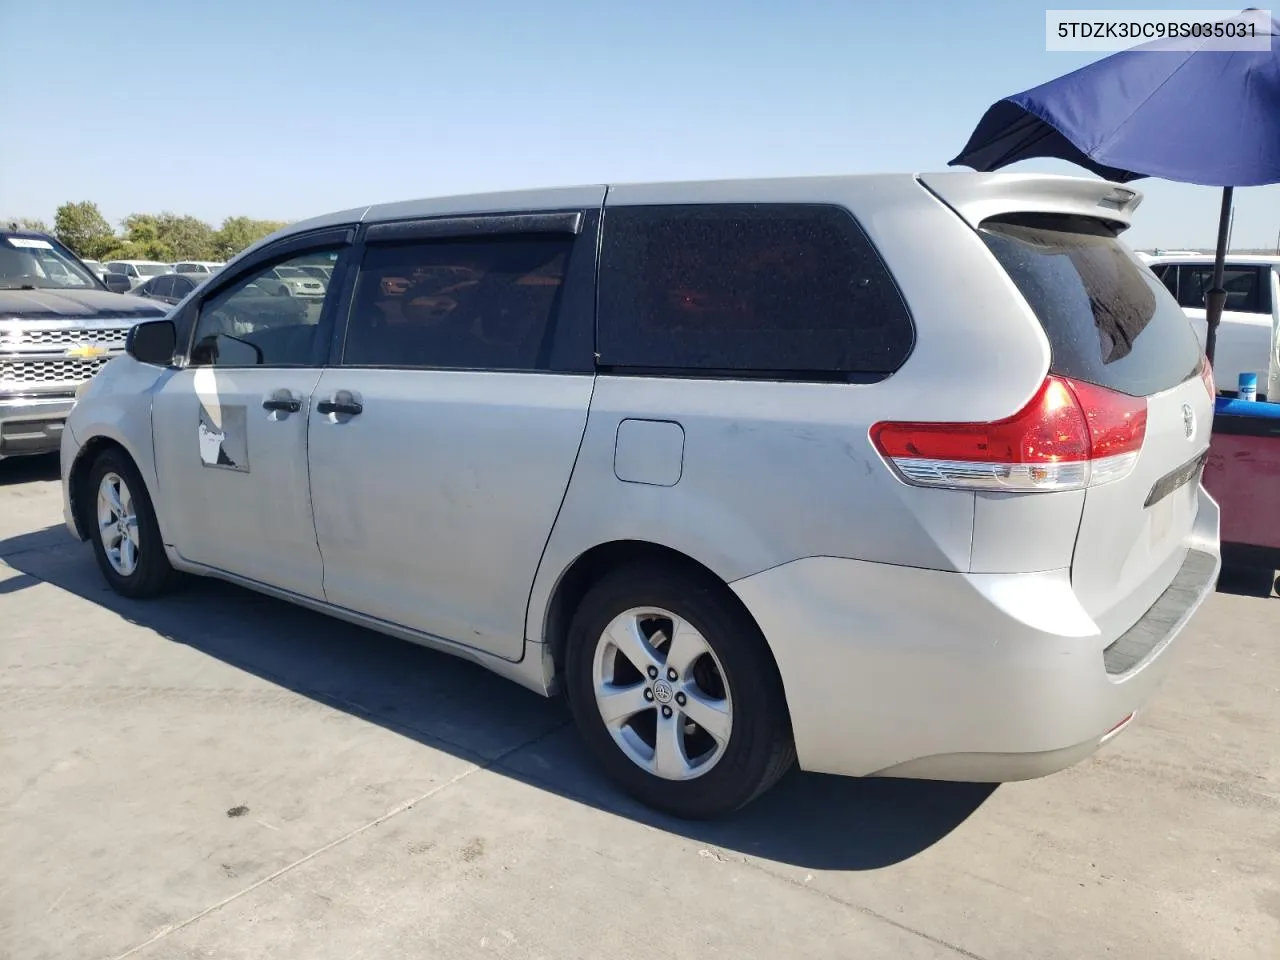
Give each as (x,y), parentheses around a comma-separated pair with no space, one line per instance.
(1175,479)
(1171,504)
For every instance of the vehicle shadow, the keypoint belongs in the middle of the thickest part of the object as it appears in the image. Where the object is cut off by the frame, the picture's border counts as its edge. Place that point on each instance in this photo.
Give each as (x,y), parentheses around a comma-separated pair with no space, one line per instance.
(17,470)
(445,703)
(1248,581)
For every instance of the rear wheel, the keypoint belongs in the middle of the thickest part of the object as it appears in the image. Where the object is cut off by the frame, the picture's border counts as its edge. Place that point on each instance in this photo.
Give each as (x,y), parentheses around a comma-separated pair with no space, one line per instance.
(125,534)
(675,692)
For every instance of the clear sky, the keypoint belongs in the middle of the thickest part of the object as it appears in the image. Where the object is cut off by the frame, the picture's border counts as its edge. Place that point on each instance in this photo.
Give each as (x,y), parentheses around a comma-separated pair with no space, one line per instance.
(282,110)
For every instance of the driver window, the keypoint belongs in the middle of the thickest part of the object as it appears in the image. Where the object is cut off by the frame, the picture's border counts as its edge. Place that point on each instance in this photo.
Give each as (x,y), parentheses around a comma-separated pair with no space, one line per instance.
(269,318)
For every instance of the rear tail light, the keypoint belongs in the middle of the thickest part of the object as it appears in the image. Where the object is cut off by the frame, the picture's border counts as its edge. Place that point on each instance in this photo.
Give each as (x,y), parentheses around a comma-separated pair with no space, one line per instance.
(1206,374)
(1070,436)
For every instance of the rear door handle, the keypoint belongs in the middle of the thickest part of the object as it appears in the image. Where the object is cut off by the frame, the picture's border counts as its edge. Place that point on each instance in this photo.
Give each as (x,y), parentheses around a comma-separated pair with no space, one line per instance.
(349,407)
(283,404)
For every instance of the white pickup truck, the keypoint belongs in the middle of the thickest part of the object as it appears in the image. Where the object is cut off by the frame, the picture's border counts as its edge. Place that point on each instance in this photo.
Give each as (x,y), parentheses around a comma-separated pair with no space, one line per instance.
(1250,326)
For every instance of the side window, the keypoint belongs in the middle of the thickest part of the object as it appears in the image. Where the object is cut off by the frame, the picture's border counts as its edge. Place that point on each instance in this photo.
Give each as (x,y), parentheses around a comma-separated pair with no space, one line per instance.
(463,304)
(182,286)
(1168,274)
(161,286)
(1244,289)
(253,324)
(1243,286)
(786,288)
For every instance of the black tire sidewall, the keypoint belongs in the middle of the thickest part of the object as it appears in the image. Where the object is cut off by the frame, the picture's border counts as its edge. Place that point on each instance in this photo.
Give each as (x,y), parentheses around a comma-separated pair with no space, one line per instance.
(760,740)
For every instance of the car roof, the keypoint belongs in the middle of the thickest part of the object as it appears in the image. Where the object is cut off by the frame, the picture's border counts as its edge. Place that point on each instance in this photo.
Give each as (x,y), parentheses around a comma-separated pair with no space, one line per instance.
(1202,259)
(30,235)
(690,191)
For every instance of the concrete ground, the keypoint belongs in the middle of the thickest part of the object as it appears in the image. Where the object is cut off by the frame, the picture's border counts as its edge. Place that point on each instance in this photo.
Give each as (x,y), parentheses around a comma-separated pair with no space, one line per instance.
(221,775)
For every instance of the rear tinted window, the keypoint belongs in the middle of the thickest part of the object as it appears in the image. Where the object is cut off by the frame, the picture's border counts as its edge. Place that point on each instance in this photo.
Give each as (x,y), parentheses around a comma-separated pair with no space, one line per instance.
(1109,319)
(793,289)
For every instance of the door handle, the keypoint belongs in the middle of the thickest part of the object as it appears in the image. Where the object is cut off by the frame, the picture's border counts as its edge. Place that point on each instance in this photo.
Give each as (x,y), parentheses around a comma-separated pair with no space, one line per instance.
(350,407)
(283,404)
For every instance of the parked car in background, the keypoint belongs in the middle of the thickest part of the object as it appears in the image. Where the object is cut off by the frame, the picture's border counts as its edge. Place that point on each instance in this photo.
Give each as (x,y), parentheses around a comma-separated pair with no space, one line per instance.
(1249,319)
(724,461)
(138,270)
(169,287)
(291,281)
(59,325)
(97,268)
(205,267)
(321,272)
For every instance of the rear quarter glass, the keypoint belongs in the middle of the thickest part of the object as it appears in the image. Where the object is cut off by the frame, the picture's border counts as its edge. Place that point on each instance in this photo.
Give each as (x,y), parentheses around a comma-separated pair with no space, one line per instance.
(1108,318)
(789,288)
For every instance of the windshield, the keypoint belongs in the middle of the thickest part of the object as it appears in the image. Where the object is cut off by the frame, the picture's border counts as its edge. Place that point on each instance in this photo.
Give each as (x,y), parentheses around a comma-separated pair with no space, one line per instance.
(151,269)
(38,263)
(289,272)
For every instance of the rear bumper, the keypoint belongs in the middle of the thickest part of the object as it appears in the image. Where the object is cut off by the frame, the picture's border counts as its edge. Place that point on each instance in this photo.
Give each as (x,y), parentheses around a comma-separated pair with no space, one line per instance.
(32,425)
(905,672)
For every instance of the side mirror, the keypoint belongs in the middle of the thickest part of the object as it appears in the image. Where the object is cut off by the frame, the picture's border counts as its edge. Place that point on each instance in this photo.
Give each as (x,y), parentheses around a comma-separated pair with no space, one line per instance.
(117,282)
(153,341)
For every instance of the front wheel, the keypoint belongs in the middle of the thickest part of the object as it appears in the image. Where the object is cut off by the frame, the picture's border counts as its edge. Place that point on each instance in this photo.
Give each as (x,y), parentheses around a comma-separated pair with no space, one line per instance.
(675,692)
(125,535)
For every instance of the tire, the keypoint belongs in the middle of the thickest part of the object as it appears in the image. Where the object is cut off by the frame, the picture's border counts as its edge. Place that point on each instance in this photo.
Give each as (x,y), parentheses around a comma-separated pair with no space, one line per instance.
(149,573)
(733,684)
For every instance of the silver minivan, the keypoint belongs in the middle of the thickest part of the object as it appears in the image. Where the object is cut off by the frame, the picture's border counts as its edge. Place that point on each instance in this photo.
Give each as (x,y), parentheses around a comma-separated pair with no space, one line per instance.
(891,475)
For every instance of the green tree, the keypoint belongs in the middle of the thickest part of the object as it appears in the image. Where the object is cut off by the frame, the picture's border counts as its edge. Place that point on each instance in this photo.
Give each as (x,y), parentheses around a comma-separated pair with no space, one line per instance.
(143,237)
(188,237)
(238,233)
(83,228)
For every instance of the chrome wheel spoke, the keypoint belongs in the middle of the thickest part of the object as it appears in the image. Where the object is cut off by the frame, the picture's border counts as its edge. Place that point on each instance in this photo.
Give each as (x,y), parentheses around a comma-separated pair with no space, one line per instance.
(625,634)
(112,491)
(131,528)
(618,704)
(128,556)
(711,715)
(669,758)
(686,646)
(106,516)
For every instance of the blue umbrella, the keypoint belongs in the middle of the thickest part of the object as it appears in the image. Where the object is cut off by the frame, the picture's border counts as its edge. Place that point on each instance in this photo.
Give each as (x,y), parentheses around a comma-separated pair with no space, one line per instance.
(1208,116)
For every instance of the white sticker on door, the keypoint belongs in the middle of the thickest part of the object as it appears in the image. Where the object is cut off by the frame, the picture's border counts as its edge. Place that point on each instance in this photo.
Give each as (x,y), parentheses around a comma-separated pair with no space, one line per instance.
(224,445)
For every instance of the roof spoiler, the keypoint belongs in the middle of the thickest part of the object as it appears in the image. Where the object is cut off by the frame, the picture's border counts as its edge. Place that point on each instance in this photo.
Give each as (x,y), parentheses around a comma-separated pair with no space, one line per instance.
(979,196)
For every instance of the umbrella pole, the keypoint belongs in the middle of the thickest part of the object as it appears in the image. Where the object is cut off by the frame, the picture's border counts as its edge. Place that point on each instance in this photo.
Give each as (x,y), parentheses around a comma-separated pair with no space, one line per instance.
(1216,298)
